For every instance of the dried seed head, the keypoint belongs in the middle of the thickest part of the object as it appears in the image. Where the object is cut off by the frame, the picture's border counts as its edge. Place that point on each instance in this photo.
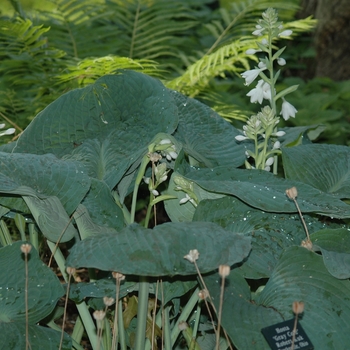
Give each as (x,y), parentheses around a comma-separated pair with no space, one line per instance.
(99,315)
(108,301)
(183,325)
(307,244)
(224,270)
(26,248)
(154,157)
(70,270)
(292,193)
(118,276)
(192,256)
(298,307)
(203,294)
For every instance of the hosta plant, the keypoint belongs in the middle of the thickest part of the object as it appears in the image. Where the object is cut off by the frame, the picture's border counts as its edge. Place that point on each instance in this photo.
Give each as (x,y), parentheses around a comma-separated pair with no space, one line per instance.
(98,159)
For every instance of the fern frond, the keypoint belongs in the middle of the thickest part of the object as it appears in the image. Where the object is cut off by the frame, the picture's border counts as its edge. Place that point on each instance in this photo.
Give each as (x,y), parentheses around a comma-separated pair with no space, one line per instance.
(231,24)
(89,69)
(229,58)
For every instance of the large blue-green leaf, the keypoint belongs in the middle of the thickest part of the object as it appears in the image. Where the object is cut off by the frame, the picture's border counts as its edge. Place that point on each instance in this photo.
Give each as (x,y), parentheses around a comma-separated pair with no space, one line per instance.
(301,275)
(160,251)
(326,167)
(106,126)
(42,176)
(44,288)
(265,191)
(335,247)
(206,136)
(241,317)
(271,233)
(12,337)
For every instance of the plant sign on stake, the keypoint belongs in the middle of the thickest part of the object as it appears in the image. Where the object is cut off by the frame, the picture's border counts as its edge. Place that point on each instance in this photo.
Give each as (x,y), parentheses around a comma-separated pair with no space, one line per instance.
(242,243)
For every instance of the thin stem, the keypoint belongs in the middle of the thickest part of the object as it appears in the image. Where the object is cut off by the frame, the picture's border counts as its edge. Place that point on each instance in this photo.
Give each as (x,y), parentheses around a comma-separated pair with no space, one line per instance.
(122,340)
(302,219)
(26,300)
(65,311)
(294,330)
(142,313)
(115,326)
(82,307)
(5,236)
(220,312)
(33,236)
(185,313)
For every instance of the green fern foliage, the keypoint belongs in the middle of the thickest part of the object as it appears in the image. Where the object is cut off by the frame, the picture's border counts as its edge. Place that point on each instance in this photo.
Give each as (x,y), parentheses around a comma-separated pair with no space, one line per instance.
(86,71)
(190,46)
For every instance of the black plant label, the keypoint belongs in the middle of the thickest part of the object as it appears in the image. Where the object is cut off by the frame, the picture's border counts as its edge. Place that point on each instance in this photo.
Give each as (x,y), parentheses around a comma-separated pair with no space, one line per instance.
(280,336)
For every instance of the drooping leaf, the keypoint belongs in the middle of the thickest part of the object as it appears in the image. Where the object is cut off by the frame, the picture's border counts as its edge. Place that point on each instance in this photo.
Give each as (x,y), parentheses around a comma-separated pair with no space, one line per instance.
(205,135)
(335,248)
(44,288)
(302,276)
(102,207)
(241,317)
(86,226)
(271,233)
(43,176)
(265,191)
(158,252)
(12,336)
(51,218)
(325,167)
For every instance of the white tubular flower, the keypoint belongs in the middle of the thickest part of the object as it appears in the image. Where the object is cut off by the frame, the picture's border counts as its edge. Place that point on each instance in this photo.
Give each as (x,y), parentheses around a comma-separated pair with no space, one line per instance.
(6,132)
(279,133)
(258,31)
(155,193)
(241,138)
(252,51)
(288,110)
(251,75)
(287,32)
(276,145)
(165,142)
(264,41)
(269,161)
(281,61)
(261,91)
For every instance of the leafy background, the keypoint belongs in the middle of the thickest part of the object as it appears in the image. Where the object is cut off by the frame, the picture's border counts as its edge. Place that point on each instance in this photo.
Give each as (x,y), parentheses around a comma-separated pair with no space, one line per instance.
(197,48)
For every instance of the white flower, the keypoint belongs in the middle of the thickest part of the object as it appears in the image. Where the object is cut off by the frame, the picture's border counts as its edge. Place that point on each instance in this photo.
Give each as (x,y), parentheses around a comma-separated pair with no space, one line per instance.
(287,32)
(165,142)
(281,61)
(276,145)
(264,41)
(252,51)
(279,133)
(261,91)
(241,138)
(8,131)
(269,161)
(259,30)
(288,110)
(186,199)
(155,193)
(250,75)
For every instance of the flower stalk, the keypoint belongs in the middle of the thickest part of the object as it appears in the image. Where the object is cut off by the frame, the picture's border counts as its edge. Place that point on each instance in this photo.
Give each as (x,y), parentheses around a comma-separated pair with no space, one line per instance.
(261,129)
